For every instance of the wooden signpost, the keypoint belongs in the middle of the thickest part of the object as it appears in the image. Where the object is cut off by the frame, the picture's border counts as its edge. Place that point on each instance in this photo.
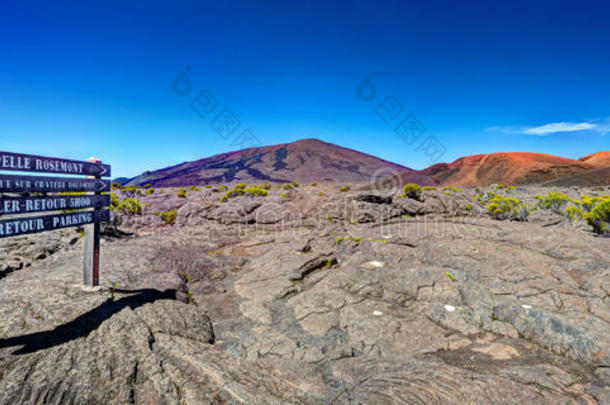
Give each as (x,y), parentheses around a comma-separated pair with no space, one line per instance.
(76,202)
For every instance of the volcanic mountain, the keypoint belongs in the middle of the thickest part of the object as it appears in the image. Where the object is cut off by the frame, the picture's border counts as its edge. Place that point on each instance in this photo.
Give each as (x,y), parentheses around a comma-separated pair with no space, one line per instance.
(307,160)
(505,168)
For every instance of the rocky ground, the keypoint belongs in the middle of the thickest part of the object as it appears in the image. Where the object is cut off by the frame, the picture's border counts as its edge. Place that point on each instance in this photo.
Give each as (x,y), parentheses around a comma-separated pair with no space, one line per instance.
(317,296)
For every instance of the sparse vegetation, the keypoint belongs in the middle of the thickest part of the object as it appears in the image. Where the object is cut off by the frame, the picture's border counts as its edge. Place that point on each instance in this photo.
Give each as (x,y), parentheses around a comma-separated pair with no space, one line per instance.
(451,189)
(599,217)
(451,276)
(345,188)
(130,206)
(553,201)
(575,213)
(181,193)
(169,216)
(412,191)
(468,207)
(503,208)
(242,189)
(430,188)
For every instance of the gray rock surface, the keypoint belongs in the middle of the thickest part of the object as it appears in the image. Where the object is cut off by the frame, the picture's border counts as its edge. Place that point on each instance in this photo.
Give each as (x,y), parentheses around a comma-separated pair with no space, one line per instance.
(318,297)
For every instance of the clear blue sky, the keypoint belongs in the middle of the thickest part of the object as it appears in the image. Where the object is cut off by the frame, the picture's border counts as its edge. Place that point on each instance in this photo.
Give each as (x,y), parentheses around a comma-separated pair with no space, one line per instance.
(95,78)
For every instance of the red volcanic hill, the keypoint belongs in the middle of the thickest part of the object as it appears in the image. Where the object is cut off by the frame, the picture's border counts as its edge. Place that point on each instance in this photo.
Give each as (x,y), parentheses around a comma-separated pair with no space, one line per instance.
(307,160)
(505,168)
(599,159)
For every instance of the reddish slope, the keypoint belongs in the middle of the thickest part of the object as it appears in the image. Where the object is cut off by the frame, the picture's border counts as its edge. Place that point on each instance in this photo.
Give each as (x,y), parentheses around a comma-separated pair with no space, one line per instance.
(307,160)
(599,159)
(504,168)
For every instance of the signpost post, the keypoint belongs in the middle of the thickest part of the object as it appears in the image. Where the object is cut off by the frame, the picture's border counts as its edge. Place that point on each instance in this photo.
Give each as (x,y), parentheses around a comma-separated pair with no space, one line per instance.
(76,202)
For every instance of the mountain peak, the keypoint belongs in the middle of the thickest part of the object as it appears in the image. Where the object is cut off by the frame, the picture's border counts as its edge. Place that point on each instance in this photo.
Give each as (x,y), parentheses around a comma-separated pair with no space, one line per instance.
(305,160)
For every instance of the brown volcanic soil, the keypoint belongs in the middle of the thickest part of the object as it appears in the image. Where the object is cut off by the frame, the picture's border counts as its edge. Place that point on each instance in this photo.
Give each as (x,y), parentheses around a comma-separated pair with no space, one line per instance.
(307,160)
(437,303)
(504,168)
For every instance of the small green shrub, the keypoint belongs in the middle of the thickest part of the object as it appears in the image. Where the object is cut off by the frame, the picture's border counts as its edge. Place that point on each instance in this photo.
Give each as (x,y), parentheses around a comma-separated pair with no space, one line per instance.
(181,193)
(502,208)
(314,184)
(256,192)
(599,217)
(208,186)
(412,190)
(296,184)
(288,186)
(169,216)
(430,188)
(114,201)
(345,188)
(130,206)
(553,201)
(450,276)
(451,189)
(468,207)
(575,213)
(283,195)
(240,186)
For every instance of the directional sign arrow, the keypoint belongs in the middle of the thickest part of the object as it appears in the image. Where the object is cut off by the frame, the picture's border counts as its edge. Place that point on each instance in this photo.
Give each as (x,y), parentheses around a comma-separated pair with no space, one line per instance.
(32,163)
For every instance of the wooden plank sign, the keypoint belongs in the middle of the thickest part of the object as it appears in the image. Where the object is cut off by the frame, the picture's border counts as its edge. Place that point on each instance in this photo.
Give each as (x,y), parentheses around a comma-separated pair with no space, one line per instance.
(33,163)
(82,202)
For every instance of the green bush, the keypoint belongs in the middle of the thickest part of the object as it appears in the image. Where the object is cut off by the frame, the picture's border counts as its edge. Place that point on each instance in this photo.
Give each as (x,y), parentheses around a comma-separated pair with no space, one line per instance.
(412,190)
(345,188)
(468,207)
(575,213)
(240,186)
(430,188)
(288,186)
(130,206)
(283,195)
(239,191)
(588,203)
(169,216)
(114,201)
(553,201)
(314,184)
(502,208)
(599,217)
(451,189)
(181,193)
(256,192)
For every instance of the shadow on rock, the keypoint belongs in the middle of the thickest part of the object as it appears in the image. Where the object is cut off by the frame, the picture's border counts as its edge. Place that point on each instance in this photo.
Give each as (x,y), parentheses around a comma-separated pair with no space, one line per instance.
(86,323)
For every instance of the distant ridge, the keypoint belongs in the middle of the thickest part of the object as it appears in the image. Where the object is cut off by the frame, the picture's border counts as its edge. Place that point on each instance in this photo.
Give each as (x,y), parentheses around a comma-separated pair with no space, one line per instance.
(313,160)
(505,168)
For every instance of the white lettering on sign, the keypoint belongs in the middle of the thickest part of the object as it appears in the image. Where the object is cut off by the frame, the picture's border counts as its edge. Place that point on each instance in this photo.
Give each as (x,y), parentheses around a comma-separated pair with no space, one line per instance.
(72,220)
(78,202)
(49,165)
(10,207)
(19,226)
(15,162)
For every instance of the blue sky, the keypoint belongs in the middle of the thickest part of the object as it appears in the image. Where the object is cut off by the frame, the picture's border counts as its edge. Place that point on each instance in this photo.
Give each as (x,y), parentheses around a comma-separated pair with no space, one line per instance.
(81,79)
